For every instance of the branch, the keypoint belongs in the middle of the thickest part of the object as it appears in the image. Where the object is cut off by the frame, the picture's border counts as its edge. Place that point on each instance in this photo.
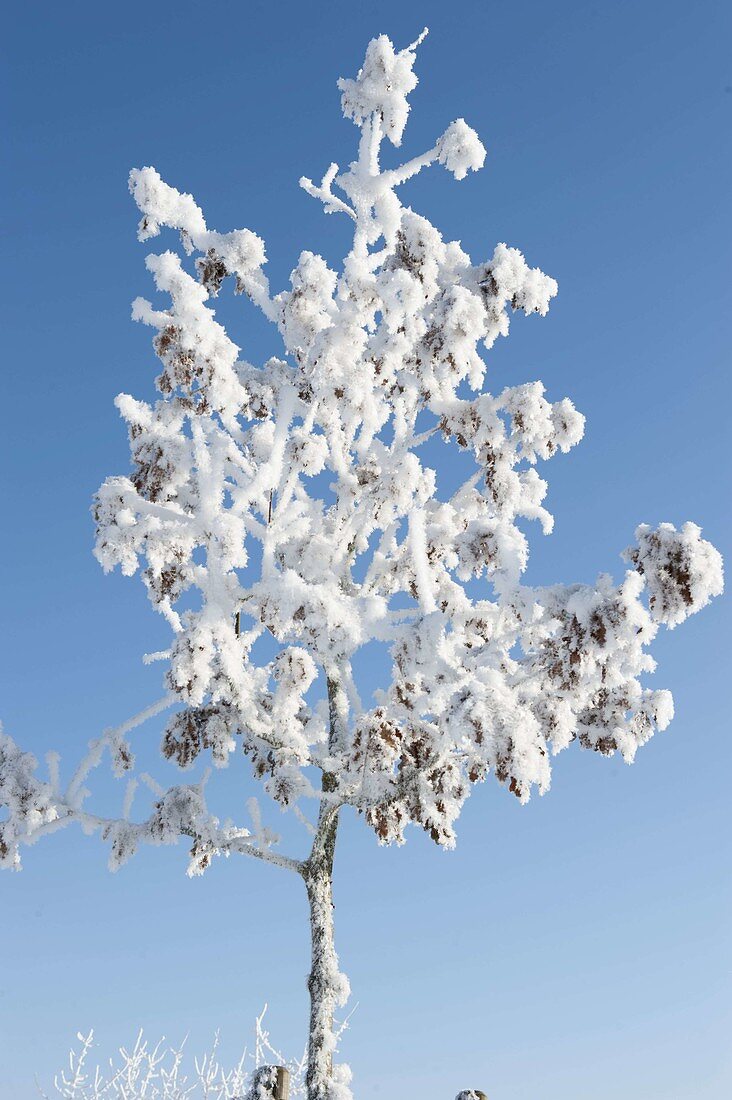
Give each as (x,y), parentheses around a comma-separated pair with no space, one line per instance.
(396,176)
(96,748)
(160,511)
(324,192)
(221,840)
(268,856)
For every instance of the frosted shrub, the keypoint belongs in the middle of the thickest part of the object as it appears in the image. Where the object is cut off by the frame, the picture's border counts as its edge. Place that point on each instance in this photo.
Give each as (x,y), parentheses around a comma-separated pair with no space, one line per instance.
(291,500)
(160,1072)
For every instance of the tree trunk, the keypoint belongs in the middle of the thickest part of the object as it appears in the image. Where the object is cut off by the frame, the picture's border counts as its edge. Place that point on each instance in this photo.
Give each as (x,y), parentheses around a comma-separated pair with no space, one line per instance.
(328,988)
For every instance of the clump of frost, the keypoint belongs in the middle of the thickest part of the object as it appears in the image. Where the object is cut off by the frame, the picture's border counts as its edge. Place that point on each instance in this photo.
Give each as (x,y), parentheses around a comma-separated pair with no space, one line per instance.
(381,88)
(460,149)
(682,571)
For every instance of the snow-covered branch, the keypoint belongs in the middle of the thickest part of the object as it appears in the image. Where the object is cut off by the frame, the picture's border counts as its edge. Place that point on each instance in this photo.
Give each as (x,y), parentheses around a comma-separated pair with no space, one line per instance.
(332,204)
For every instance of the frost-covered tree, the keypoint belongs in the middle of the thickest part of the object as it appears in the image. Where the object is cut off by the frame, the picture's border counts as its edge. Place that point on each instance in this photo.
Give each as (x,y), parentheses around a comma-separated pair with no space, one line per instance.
(288,500)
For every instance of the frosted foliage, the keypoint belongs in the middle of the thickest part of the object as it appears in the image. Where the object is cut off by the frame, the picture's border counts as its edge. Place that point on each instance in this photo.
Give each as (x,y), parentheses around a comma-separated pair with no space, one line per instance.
(682,571)
(226,468)
(291,500)
(29,802)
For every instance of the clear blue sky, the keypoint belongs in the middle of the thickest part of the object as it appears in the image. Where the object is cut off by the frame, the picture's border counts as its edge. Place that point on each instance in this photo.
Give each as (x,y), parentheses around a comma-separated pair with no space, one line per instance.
(576,948)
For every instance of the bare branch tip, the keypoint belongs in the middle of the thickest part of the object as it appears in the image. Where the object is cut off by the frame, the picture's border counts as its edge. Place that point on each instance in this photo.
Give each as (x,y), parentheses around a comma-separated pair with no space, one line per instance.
(418,41)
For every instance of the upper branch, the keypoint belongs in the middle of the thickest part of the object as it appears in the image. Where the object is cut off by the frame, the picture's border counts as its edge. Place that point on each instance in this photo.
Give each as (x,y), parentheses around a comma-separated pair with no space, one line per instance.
(324,192)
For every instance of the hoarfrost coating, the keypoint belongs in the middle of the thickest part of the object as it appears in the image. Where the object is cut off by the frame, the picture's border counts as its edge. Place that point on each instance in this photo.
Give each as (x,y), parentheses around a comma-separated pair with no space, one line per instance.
(292,500)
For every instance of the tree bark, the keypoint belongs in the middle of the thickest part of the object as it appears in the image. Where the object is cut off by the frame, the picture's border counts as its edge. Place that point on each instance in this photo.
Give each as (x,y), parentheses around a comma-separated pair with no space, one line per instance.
(326,985)
(328,988)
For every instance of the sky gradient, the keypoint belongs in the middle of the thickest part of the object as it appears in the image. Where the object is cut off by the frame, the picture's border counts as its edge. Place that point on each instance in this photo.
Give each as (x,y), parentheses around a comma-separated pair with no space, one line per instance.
(577,947)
